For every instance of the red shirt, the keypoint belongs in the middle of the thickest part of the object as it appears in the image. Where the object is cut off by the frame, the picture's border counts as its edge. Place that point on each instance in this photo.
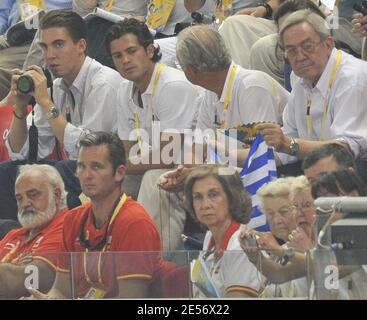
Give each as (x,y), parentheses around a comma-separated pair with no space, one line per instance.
(43,246)
(131,230)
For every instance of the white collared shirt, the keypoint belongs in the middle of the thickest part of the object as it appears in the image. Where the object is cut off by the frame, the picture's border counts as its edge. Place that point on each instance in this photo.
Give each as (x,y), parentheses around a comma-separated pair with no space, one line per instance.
(95,94)
(255,96)
(346,118)
(174,104)
(232,269)
(122,8)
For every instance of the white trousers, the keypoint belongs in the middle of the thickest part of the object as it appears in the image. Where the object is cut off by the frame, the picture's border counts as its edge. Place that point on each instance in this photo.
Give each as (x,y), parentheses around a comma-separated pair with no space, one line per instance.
(164,208)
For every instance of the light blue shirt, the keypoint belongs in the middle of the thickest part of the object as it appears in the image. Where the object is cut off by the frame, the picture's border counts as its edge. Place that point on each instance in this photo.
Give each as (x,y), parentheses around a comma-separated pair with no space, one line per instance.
(241,4)
(9,14)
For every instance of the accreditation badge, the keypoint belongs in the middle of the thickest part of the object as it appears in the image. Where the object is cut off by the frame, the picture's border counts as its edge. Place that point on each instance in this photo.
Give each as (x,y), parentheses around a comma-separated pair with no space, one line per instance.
(94,293)
(30,8)
(158,13)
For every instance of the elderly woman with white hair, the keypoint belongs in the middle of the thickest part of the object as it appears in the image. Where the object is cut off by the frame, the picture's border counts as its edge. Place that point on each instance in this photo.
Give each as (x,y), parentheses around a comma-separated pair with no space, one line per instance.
(268,251)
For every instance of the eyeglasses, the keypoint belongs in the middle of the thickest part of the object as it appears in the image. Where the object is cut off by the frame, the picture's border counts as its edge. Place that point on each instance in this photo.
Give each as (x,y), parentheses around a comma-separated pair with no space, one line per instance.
(304,206)
(306,47)
(283,212)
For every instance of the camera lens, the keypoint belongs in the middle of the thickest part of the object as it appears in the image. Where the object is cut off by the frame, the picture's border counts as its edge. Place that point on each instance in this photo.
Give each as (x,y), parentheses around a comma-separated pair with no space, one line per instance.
(197,16)
(25,84)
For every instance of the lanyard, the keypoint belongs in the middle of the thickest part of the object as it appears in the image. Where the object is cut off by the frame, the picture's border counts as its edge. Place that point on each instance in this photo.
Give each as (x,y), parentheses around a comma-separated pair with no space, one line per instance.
(7,257)
(136,115)
(159,12)
(227,98)
(326,104)
(109,5)
(222,9)
(114,215)
(88,279)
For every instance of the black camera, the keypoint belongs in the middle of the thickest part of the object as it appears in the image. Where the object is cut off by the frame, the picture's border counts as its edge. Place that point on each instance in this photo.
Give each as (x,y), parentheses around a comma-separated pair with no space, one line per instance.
(25,84)
(362,7)
(200,18)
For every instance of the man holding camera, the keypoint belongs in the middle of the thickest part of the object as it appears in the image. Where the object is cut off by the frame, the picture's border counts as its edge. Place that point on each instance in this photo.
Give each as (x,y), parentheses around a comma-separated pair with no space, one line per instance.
(82,99)
(18,26)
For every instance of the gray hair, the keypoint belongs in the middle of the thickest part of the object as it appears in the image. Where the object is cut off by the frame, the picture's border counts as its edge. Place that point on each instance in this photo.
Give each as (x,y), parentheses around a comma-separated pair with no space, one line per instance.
(51,174)
(299,184)
(202,48)
(280,187)
(239,201)
(317,23)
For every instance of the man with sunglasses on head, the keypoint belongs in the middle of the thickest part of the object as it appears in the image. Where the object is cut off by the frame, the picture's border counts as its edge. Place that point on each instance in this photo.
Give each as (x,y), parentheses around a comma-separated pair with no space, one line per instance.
(327,103)
(110,222)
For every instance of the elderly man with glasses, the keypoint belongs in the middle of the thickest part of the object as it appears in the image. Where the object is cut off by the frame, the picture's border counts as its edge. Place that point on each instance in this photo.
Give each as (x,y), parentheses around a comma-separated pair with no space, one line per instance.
(327,104)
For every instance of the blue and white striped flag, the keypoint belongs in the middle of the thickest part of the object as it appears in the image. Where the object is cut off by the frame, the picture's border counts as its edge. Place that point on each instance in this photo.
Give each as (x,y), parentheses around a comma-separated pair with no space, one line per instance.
(259,169)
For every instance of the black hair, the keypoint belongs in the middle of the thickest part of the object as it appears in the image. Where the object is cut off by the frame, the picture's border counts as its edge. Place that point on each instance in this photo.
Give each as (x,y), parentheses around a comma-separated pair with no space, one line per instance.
(340,154)
(71,21)
(290,6)
(135,27)
(339,183)
(115,146)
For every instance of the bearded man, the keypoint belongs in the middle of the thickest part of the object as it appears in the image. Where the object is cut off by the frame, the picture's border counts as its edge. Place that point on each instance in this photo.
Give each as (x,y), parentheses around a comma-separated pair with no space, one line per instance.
(28,255)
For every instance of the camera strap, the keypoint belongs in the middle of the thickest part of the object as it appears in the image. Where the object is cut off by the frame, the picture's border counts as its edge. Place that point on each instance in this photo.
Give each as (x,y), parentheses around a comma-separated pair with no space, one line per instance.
(33,131)
(33,138)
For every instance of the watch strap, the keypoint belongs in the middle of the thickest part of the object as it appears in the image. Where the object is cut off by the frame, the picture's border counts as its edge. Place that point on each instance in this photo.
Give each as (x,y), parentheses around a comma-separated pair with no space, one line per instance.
(269,9)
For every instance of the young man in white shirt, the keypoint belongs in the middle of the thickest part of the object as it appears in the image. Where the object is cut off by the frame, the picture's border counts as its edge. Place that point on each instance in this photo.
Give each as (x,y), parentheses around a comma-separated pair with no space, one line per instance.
(82,99)
(154,92)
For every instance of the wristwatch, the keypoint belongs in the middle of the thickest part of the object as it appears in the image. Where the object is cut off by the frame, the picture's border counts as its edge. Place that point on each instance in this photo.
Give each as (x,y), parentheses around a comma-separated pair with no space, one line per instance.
(293,147)
(269,9)
(53,113)
(288,254)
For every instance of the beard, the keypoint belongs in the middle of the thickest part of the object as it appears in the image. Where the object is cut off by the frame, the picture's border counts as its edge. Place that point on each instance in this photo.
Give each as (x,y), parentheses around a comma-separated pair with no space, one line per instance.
(31,218)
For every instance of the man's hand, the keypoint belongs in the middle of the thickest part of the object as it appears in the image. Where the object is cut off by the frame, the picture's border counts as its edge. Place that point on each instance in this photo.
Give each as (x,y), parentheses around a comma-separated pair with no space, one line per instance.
(359,23)
(35,295)
(38,295)
(20,101)
(274,136)
(40,87)
(174,181)
(258,12)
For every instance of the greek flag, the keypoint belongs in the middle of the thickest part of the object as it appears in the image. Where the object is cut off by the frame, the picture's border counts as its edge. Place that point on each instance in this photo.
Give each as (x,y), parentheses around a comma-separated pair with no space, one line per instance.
(259,169)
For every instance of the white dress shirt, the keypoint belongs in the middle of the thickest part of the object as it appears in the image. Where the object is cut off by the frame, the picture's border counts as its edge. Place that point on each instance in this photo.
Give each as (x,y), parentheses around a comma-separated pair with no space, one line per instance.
(174,104)
(121,8)
(346,118)
(95,93)
(232,269)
